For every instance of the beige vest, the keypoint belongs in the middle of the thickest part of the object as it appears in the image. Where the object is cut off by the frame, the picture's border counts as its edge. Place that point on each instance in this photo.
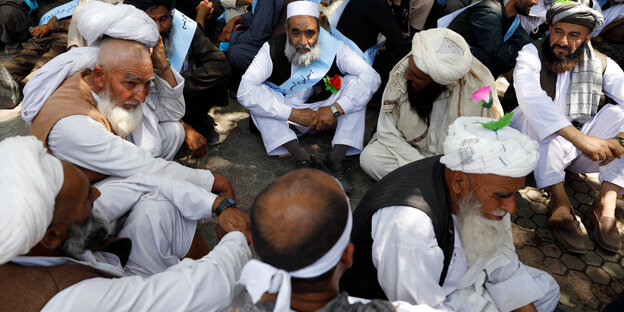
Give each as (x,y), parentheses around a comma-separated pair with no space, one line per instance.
(73,97)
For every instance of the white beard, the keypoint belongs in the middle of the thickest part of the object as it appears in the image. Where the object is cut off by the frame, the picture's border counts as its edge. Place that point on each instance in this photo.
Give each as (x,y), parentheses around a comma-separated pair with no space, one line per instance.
(168,42)
(122,121)
(480,236)
(302,59)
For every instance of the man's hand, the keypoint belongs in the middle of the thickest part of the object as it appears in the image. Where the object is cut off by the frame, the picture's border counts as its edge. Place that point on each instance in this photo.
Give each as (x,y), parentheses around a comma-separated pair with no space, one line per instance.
(596,149)
(233,219)
(224,37)
(159,58)
(305,117)
(41,31)
(326,118)
(204,10)
(195,141)
(222,186)
(244,2)
(226,32)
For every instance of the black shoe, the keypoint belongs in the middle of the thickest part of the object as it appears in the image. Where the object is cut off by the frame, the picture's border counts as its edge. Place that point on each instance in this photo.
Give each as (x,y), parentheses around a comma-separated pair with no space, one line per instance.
(208,130)
(310,163)
(339,170)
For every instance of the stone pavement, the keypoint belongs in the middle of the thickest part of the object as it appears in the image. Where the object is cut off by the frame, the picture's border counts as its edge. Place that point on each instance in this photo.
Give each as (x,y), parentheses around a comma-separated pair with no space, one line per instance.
(587,282)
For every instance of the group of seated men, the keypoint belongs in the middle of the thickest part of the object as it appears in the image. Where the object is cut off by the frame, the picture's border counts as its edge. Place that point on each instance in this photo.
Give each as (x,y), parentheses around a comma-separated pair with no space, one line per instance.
(94,212)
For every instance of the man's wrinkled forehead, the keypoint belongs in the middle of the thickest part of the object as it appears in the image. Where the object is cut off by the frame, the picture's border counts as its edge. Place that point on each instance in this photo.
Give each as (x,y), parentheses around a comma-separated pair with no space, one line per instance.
(134,70)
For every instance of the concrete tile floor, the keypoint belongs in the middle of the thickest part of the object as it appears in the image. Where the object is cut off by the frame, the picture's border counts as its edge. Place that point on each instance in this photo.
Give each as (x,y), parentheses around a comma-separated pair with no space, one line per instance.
(588,282)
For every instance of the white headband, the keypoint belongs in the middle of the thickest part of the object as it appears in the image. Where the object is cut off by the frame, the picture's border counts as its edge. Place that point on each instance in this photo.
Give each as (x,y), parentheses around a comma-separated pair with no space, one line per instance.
(308,8)
(259,277)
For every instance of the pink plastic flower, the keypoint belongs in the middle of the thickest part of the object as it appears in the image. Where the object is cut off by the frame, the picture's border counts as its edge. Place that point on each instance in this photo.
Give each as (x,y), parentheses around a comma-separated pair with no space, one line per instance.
(483,96)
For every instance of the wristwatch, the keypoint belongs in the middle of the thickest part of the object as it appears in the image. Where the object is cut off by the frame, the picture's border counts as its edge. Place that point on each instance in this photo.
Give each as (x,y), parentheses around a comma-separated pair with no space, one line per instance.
(621,140)
(225,204)
(335,110)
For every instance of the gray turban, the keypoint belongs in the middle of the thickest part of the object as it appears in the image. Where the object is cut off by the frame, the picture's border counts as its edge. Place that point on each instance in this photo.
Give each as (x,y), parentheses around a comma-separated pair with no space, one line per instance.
(30,179)
(574,13)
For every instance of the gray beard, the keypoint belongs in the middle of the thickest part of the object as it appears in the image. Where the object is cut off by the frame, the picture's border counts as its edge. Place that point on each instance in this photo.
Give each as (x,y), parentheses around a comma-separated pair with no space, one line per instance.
(302,59)
(480,236)
(122,121)
(83,237)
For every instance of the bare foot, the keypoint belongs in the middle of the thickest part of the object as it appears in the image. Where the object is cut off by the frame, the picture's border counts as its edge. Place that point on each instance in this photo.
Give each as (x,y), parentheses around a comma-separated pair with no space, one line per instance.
(195,141)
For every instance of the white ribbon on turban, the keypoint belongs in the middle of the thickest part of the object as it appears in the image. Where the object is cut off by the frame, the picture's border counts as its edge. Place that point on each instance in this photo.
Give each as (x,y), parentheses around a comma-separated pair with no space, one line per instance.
(121,21)
(30,179)
(95,20)
(471,148)
(442,54)
(259,277)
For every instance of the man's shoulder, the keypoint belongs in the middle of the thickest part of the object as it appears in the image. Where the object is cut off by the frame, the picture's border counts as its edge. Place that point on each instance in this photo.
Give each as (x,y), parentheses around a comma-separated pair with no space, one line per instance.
(491,6)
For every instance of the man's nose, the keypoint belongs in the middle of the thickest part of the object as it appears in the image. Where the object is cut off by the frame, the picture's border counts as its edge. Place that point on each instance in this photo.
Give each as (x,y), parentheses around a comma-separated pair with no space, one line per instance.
(509,204)
(140,93)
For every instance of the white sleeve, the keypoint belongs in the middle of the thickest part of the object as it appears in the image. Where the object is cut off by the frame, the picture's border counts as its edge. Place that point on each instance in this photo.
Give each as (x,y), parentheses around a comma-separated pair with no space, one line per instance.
(356,94)
(168,102)
(613,81)
(407,257)
(119,195)
(512,286)
(228,4)
(207,284)
(256,96)
(84,142)
(536,105)
(389,135)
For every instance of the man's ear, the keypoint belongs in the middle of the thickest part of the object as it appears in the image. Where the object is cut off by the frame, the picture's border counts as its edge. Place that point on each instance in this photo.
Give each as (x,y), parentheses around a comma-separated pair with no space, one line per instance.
(459,182)
(347,255)
(99,76)
(54,236)
(589,36)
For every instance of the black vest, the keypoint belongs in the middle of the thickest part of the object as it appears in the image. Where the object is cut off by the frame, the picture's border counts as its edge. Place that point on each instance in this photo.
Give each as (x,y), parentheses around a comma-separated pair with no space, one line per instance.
(281,70)
(420,185)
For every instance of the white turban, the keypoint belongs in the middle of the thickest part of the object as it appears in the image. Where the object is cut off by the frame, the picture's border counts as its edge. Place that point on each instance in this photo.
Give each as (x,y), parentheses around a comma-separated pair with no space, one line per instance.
(442,54)
(95,20)
(469,147)
(120,21)
(30,179)
(308,8)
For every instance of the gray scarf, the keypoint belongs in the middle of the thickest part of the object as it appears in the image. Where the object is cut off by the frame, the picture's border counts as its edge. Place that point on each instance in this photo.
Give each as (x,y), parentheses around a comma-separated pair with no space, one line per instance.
(585,87)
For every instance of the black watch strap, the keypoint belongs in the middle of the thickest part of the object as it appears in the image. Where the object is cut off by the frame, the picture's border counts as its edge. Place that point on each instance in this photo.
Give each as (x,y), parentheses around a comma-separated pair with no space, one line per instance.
(621,140)
(225,204)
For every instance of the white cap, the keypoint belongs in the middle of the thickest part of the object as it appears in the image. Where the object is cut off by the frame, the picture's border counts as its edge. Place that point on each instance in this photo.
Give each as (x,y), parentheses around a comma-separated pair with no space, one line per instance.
(308,8)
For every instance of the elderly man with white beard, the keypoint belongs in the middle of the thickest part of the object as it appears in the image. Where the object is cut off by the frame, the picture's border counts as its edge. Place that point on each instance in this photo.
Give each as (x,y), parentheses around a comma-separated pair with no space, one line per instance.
(438,232)
(83,121)
(56,255)
(294,86)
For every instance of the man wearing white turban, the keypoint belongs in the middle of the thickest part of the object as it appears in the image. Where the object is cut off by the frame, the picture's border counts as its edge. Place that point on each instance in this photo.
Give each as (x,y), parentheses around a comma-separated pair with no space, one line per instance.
(428,89)
(438,231)
(559,82)
(306,80)
(56,255)
(302,259)
(98,104)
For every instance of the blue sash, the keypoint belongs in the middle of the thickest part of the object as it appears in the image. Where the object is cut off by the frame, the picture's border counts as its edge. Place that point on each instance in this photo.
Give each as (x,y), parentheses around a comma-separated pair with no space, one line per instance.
(60,11)
(184,29)
(512,29)
(307,77)
(368,56)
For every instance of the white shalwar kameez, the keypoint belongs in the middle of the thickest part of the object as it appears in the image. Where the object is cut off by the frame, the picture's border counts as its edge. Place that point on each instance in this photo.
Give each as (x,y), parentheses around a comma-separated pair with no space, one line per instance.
(162,228)
(271,109)
(540,117)
(207,284)
(409,264)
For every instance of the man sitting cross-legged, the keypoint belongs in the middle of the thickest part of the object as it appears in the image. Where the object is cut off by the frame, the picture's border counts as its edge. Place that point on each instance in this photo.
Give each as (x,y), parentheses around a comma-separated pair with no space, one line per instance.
(428,89)
(306,251)
(284,87)
(438,231)
(56,255)
(83,121)
(559,82)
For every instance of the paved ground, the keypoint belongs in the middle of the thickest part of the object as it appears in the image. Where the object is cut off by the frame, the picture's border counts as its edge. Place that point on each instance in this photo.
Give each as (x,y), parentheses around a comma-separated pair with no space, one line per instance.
(587,282)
